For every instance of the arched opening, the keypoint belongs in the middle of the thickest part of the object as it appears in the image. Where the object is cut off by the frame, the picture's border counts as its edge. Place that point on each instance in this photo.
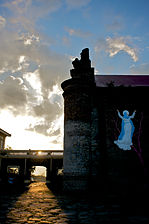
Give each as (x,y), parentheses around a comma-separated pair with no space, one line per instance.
(39,174)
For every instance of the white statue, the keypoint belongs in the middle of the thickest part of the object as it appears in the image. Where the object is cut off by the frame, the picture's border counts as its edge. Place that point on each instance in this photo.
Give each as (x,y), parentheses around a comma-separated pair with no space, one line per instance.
(127,129)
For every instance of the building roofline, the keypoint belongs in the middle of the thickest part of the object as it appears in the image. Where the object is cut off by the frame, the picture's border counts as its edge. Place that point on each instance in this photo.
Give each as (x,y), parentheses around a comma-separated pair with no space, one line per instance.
(122,80)
(4,132)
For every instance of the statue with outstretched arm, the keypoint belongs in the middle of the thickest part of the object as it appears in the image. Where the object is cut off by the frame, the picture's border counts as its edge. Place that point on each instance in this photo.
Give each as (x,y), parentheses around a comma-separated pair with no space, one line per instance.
(127,129)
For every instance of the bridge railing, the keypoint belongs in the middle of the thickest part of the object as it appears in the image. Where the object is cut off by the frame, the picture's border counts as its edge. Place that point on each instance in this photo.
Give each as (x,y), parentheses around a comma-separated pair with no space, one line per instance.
(31,153)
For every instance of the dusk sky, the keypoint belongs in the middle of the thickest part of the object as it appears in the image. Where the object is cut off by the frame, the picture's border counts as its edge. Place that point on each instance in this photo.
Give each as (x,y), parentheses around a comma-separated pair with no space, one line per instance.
(38,41)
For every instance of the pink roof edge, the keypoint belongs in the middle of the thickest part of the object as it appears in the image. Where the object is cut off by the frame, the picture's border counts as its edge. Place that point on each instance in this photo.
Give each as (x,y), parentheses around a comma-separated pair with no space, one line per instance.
(125,80)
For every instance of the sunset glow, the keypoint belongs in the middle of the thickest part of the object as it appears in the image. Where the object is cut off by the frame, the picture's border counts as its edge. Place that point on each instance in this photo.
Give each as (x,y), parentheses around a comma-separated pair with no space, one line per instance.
(24,139)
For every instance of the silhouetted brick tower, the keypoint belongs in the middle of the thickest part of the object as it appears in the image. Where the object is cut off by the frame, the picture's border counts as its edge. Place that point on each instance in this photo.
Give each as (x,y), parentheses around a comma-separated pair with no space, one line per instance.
(78,107)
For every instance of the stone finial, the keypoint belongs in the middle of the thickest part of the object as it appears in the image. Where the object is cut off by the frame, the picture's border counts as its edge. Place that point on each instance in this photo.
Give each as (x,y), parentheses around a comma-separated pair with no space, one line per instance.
(84,63)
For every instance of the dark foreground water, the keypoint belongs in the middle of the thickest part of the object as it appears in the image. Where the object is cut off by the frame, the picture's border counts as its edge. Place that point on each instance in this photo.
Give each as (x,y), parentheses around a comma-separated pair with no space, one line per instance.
(38,204)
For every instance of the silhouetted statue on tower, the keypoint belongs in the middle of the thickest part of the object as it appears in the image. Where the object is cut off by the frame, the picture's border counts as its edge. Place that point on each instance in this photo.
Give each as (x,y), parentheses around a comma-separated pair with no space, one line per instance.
(82,67)
(84,63)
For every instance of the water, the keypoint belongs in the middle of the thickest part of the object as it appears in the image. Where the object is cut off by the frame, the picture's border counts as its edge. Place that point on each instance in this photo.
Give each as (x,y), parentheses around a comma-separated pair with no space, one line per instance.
(38,204)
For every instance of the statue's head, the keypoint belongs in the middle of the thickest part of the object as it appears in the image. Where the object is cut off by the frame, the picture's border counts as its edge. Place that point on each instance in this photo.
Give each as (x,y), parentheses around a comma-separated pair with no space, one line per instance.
(84,63)
(85,54)
(126,113)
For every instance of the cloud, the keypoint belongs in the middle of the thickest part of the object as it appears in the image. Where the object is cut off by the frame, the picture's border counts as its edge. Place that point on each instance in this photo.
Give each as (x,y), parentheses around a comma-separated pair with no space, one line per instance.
(34,68)
(47,110)
(29,39)
(55,141)
(56,99)
(115,45)
(50,109)
(2,22)
(56,133)
(71,4)
(27,12)
(39,128)
(13,94)
(47,113)
(77,32)
(15,54)
(53,69)
(44,129)
(41,103)
(9,50)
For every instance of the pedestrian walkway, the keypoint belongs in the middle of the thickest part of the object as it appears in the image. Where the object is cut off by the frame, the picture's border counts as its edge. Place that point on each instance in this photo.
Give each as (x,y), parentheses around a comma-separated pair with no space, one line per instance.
(38,204)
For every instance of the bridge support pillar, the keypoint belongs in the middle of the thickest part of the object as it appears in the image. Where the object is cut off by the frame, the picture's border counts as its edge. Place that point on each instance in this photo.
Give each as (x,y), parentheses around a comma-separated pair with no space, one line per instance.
(51,161)
(0,164)
(25,167)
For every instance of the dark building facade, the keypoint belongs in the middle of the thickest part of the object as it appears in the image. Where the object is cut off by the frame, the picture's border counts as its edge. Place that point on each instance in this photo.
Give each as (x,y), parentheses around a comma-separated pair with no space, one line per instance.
(106,123)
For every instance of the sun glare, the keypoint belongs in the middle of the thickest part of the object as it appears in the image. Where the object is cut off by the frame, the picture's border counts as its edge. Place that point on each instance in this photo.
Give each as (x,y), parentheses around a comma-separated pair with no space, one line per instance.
(22,138)
(40,171)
